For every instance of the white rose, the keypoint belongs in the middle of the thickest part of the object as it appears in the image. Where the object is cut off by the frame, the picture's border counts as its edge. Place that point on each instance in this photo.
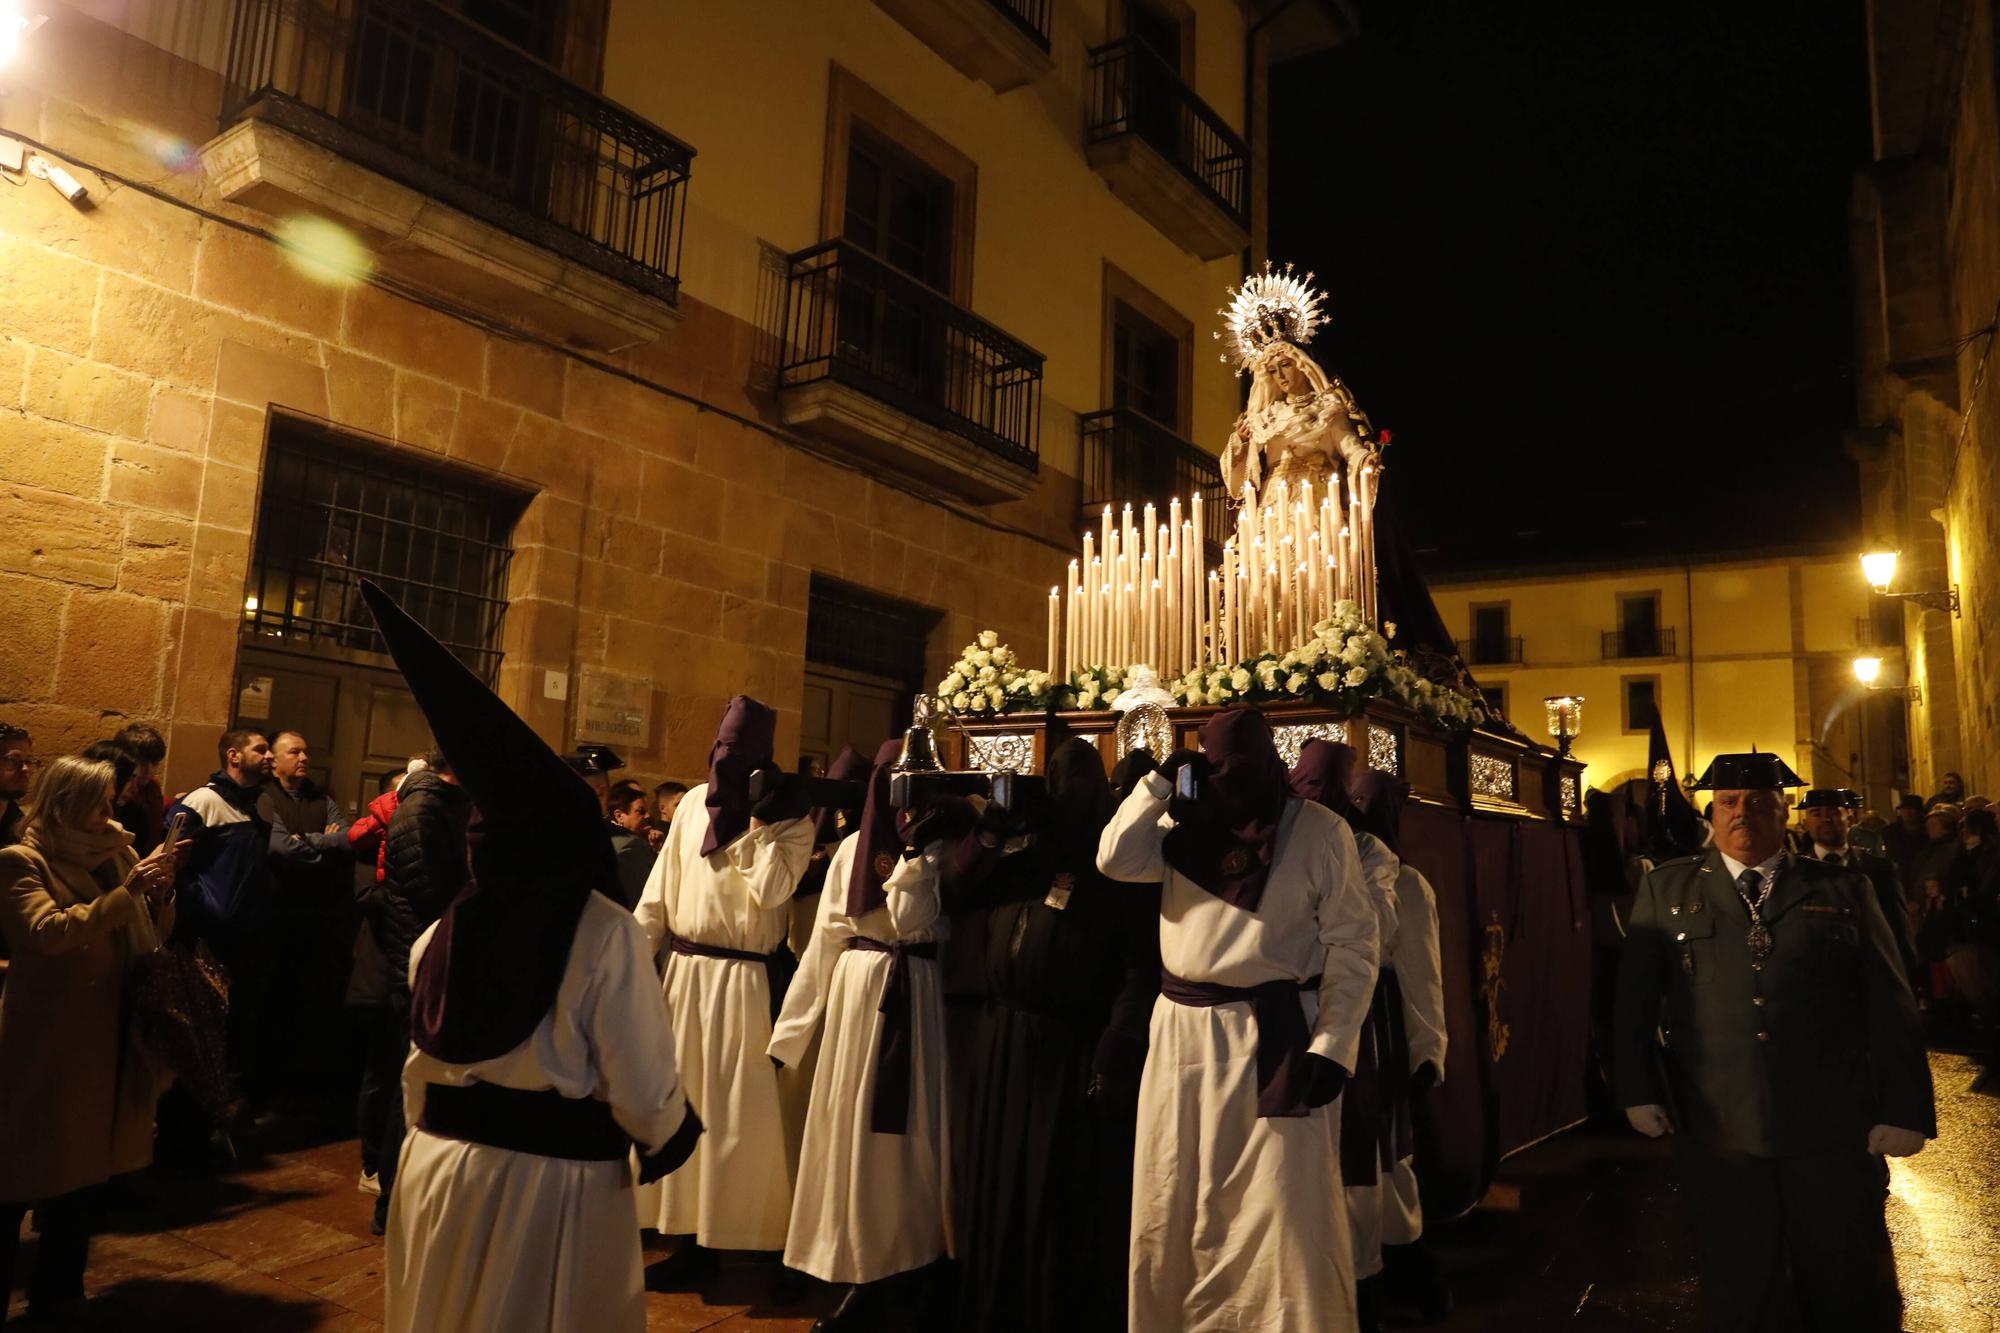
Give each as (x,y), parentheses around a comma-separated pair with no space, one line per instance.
(1195,696)
(961,701)
(952,683)
(1329,680)
(986,675)
(988,639)
(1295,682)
(995,694)
(1356,676)
(1087,698)
(979,657)
(1239,680)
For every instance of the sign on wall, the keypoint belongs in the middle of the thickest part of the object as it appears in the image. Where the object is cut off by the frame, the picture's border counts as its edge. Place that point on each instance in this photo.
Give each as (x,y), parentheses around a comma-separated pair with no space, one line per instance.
(614,710)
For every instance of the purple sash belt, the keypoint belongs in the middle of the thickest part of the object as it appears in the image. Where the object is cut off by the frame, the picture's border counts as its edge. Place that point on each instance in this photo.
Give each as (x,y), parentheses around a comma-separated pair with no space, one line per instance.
(893,1055)
(544,1124)
(1282,1037)
(1376,1130)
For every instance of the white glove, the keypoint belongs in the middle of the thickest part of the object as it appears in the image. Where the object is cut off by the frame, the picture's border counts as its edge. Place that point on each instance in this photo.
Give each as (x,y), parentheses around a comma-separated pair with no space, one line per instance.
(1652,1121)
(1889,1141)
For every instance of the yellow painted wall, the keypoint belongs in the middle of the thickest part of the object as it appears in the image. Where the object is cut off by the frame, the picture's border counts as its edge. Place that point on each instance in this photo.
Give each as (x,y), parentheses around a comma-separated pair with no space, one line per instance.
(748,88)
(1753,644)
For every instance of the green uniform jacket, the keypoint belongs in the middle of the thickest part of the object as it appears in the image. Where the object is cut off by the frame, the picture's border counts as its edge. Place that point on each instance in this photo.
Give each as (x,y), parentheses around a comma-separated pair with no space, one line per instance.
(1802,1054)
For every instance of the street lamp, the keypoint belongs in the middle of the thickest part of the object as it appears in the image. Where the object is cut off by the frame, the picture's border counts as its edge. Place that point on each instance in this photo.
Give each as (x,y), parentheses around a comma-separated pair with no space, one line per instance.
(1879,568)
(1565,719)
(1868,669)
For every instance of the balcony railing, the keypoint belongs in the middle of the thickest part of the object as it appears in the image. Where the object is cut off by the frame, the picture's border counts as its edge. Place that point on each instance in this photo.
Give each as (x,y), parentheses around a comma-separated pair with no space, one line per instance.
(1133,91)
(1128,458)
(417,93)
(1030,16)
(1638,643)
(1491,652)
(853,319)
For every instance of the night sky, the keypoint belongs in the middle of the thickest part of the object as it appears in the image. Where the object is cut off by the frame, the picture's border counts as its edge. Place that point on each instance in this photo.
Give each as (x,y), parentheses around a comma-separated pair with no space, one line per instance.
(1588,262)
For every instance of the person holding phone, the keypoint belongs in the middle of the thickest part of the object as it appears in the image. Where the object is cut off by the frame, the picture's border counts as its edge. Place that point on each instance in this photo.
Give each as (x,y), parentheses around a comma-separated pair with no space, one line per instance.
(1268,946)
(77,905)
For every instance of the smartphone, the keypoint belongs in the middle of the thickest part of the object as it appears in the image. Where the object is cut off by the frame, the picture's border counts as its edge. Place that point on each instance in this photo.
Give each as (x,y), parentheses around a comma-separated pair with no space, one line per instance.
(1187,784)
(174,827)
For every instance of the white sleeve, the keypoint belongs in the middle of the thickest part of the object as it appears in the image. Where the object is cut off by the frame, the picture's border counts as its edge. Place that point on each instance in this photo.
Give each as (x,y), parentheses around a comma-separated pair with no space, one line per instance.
(1129,848)
(1420,970)
(805,998)
(912,888)
(1347,927)
(632,1041)
(652,913)
(1379,867)
(772,859)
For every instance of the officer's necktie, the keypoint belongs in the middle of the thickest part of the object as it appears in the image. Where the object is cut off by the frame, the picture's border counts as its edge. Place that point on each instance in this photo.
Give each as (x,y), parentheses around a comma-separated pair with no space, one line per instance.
(1748,883)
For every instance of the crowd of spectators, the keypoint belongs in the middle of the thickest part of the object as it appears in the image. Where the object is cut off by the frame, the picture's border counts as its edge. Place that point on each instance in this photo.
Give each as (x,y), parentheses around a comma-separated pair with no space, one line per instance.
(305,911)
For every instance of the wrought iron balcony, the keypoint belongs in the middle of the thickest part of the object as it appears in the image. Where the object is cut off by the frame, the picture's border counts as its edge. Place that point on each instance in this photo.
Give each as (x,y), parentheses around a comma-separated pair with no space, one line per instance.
(434,102)
(1638,643)
(852,321)
(1139,103)
(1004,42)
(1478,651)
(1130,458)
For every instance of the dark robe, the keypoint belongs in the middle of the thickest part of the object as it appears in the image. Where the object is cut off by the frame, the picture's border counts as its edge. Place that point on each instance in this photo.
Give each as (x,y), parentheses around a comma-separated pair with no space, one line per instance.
(1042,1244)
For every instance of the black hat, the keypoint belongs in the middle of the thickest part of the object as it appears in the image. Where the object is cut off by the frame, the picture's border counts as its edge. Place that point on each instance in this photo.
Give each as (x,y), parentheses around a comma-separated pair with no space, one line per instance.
(594,759)
(536,850)
(1839,798)
(1755,771)
(1911,802)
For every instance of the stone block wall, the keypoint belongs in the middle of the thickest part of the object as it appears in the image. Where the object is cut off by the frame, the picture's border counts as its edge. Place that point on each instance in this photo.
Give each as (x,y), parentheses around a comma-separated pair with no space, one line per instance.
(673,532)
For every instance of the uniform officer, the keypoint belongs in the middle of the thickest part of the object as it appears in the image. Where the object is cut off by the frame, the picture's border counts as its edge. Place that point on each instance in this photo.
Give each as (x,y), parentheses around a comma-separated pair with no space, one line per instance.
(1827,831)
(1761,997)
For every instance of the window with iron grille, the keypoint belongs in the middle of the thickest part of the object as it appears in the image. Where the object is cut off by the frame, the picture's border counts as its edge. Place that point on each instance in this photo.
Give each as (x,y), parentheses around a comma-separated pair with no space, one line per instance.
(859,631)
(335,511)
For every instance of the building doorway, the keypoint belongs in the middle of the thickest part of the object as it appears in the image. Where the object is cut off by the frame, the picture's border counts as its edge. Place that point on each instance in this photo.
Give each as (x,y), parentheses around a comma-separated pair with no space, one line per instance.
(864,668)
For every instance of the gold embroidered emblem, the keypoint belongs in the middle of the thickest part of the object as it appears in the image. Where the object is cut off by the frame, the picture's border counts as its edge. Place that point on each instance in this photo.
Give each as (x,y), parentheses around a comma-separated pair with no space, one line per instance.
(1235,861)
(885,862)
(1490,986)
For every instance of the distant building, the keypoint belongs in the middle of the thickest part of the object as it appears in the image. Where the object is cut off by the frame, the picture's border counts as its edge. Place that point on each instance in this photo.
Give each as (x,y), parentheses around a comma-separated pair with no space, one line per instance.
(1927,301)
(1756,650)
(650,352)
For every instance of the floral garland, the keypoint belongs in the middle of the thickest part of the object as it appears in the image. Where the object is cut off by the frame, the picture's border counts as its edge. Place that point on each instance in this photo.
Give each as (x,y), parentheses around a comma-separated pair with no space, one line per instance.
(1344,664)
(988,678)
(1098,687)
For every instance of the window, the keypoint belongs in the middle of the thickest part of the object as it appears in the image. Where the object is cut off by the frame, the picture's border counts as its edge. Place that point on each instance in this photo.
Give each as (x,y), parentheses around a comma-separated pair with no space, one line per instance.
(1163,60)
(1145,367)
(1489,633)
(1642,702)
(898,210)
(335,510)
(1639,623)
(1496,700)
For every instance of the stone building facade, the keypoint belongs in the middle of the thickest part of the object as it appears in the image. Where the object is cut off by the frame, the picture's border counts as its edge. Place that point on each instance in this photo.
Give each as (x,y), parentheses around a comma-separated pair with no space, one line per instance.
(629,511)
(1926,226)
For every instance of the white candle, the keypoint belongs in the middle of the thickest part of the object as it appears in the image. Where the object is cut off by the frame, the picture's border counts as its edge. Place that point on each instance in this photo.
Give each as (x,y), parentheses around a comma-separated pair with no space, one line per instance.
(1055,633)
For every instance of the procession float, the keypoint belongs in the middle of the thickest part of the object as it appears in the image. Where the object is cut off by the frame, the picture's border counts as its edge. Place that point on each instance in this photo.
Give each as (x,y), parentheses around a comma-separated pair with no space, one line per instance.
(1157,628)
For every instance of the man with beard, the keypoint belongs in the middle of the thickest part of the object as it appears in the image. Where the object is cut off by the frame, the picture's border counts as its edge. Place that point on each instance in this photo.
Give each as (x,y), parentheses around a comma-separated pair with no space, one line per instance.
(1268,943)
(718,905)
(1793,1055)
(1057,940)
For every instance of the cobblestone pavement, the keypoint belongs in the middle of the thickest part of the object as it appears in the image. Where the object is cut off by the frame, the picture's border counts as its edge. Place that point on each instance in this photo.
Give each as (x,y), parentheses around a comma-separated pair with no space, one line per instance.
(1587,1232)
(1582,1233)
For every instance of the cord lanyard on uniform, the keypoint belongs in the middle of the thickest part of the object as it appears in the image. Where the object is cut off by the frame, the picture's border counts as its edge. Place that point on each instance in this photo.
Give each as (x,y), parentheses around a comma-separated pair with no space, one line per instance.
(1760,935)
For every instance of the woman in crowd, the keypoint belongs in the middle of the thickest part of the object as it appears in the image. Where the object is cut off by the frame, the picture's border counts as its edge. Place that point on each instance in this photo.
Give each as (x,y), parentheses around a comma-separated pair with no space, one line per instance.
(76,1095)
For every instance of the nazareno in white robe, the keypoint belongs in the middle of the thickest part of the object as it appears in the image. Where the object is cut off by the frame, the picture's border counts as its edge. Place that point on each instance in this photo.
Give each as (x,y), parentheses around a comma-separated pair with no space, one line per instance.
(735,1193)
(484,1240)
(1238,1221)
(1390,1212)
(869,1205)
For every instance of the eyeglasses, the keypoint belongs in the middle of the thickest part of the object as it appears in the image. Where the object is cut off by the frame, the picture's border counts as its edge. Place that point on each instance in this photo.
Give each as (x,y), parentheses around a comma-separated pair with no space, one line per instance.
(19,763)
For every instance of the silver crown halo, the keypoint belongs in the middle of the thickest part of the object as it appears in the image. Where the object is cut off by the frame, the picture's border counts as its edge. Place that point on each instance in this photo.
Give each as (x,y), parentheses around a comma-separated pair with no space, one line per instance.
(1274,305)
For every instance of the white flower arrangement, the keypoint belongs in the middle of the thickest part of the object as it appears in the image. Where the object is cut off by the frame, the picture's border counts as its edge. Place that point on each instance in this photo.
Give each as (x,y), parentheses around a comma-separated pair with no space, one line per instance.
(1098,687)
(1344,663)
(989,678)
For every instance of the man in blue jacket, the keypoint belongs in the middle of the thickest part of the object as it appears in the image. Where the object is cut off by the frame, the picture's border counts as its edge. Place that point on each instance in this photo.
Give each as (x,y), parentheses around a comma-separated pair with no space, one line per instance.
(225,897)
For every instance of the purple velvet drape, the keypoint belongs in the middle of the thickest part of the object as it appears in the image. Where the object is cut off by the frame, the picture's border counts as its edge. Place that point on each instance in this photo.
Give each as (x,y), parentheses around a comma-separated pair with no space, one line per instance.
(1511,892)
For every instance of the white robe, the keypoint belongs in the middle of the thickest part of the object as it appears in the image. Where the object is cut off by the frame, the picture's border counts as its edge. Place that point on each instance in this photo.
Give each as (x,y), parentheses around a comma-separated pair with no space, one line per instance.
(869,1205)
(735,1193)
(483,1240)
(1390,1212)
(1237,1222)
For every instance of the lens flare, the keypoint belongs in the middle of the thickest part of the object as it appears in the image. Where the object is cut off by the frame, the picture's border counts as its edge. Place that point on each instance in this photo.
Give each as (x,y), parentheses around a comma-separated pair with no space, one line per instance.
(324,251)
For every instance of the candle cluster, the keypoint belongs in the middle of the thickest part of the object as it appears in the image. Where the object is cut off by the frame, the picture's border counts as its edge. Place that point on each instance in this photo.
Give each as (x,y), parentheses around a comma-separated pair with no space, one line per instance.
(1145,590)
